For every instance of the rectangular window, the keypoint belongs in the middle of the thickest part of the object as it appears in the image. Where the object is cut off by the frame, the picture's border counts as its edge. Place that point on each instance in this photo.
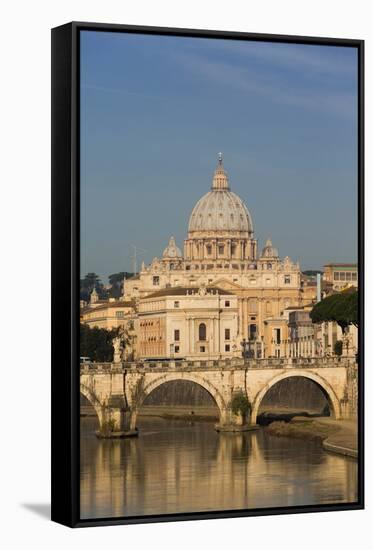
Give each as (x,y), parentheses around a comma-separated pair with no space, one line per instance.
(252,331)
(348,276)
(227,347)
(287,279)
(354,276)
(176,304)
(119,314)
(177,335)
(177,349)
(227,303)
(209,249)
(227,334)
(253,306)
(277,334)
(156,280)
(336,276)
(221,249)
(202,349)
(342,276)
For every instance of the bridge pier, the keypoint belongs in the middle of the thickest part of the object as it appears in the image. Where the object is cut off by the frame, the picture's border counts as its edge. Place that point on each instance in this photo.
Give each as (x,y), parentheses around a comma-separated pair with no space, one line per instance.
(116,420)
(230,422)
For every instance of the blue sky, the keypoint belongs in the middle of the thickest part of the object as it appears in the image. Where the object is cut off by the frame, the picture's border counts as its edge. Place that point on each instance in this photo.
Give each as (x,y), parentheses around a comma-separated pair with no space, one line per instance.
(155,112)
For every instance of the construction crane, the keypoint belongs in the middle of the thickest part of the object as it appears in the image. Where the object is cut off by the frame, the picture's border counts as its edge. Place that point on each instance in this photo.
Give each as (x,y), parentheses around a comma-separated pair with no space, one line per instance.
(137,251)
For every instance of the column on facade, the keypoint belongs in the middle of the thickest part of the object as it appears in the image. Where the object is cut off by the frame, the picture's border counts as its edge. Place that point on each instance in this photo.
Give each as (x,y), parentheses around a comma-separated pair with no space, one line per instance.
(312,343)
(212,349)
(187,336)
(216,334)
(241,316)
(191,333)
(244,318)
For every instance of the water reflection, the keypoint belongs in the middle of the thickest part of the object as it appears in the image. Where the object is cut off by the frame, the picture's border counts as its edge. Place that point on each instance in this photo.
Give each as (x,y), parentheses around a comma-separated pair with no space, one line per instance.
(176,467)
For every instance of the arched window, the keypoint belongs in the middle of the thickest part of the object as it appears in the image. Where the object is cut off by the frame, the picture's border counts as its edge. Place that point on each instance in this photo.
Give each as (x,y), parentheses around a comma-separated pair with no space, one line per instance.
(202,332)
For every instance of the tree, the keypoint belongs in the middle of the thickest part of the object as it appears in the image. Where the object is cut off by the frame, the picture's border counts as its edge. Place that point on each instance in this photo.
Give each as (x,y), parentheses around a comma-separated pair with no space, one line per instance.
(116,280)
(97,343)
(341,308)
(88,283)
(240,404)
(311,272)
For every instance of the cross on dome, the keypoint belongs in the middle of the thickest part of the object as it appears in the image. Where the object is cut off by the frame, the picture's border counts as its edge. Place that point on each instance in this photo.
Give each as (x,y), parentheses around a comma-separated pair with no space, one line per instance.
(220,179)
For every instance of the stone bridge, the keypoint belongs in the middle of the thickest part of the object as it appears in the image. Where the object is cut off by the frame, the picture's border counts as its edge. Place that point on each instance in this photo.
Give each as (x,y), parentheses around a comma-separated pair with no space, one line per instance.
(118,390)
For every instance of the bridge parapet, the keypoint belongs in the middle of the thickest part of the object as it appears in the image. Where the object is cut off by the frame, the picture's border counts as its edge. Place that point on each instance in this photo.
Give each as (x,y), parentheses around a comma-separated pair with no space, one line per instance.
(225,364)
(300,362)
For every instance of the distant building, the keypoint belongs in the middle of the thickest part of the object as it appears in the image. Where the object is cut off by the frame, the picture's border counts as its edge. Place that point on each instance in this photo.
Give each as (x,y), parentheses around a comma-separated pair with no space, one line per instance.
(221,251)
(341,275)
(108,314)
(188,323)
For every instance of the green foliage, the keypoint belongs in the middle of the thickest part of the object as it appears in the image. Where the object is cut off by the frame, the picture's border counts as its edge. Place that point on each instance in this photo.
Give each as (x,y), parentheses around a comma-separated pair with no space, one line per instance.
(116,280)
(341,308)
(240,404)
(97,343)
(338,347)
(312,272)
(88,283)
(108,427)
(92,280)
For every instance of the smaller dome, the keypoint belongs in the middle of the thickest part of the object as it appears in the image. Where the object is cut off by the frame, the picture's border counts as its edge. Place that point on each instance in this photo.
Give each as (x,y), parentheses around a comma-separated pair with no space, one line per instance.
(172,251)
(269,251)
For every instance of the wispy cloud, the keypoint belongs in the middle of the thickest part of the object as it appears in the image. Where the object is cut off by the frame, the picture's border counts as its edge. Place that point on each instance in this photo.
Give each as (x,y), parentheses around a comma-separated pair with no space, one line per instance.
(331,60)
(276,86)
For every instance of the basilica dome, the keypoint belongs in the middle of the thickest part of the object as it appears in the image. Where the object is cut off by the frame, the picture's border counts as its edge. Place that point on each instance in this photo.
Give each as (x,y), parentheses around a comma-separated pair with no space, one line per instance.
(269,251)
(220,209)
(171,250)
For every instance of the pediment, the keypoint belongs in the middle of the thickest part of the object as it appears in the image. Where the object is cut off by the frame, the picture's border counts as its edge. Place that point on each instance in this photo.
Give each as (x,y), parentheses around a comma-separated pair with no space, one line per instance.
(226,284)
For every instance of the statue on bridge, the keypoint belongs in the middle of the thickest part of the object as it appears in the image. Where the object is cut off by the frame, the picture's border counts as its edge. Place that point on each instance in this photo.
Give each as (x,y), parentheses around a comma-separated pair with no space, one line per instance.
(117,345)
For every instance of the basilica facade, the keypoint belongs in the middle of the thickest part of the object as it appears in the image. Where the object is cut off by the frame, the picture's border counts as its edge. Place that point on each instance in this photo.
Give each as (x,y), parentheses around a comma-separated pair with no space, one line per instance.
(220,264)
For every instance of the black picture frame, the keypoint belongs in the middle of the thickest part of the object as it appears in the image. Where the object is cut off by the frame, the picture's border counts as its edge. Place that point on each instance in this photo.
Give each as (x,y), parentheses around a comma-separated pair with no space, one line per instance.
(65,271)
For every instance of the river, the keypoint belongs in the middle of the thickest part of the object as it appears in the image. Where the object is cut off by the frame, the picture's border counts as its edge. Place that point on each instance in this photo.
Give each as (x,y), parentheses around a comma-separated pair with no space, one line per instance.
(175,466)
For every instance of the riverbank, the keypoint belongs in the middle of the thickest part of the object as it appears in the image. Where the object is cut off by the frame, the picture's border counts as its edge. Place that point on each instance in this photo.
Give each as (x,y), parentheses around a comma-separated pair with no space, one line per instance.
(192,414)
(337,436)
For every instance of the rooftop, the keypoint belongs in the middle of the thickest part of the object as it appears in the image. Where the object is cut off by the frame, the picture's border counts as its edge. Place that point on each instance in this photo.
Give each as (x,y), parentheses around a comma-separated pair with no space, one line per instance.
(185,291)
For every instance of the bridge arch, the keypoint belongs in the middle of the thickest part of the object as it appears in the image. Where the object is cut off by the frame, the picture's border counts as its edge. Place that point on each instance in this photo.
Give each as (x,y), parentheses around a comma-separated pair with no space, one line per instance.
(185,377)
(94,401)
(333,401)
